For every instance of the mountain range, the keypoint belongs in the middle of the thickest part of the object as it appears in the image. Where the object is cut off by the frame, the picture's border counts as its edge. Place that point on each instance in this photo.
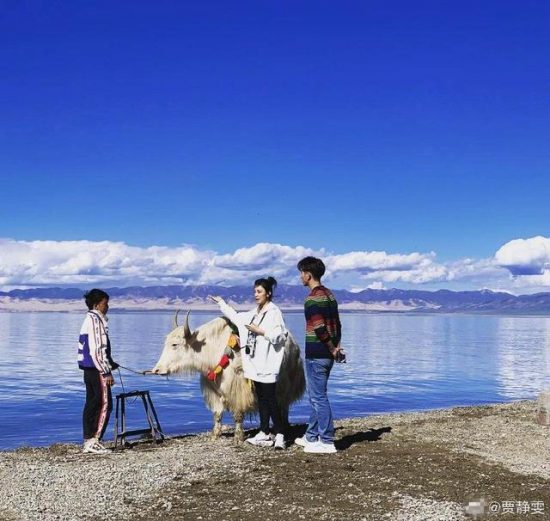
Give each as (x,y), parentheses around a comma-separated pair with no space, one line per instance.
(287,297)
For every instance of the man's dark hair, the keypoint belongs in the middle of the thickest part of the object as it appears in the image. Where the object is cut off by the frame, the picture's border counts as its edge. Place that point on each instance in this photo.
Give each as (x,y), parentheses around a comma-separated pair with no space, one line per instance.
(94,296)
(268,284)
(312,265)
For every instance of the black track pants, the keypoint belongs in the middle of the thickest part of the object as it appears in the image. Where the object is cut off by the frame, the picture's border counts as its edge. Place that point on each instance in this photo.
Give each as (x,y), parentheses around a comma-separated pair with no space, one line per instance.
(98,407)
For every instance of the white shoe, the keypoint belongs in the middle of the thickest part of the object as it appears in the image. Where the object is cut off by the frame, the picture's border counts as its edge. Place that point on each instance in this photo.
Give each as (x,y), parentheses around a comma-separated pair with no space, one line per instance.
(320,448)
(280,442)
(92,446)
(261,440)
(303,441)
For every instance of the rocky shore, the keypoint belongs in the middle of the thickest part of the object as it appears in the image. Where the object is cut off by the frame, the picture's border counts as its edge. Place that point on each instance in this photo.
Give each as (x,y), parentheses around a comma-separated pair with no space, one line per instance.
(414,466)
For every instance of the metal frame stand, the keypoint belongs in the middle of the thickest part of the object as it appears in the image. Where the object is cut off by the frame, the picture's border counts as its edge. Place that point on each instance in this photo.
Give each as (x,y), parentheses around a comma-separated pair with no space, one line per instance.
(154,430)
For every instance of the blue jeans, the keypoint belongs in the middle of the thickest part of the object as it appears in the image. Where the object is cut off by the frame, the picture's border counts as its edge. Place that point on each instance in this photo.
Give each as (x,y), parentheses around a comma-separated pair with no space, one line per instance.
(320,425)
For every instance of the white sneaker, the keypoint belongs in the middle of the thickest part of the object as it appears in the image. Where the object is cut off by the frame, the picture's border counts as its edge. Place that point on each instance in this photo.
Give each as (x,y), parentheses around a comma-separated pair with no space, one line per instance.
(261,440)
(280,442)
(92,446)
(320,448)
(303,441)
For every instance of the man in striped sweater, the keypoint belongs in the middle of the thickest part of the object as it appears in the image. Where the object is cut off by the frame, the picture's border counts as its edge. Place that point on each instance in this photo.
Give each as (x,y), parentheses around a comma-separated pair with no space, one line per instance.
(323,334)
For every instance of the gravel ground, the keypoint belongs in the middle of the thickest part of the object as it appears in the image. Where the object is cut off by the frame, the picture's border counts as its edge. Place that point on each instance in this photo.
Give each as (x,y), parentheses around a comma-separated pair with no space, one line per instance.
(409,467)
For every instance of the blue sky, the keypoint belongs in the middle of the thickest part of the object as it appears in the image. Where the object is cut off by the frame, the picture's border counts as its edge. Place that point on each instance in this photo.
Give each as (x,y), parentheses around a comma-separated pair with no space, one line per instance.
(396,127)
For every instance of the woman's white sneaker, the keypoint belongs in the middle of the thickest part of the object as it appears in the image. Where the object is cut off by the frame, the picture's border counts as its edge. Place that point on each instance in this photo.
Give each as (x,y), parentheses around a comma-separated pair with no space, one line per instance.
(320,448)
(261,440)
(280,442)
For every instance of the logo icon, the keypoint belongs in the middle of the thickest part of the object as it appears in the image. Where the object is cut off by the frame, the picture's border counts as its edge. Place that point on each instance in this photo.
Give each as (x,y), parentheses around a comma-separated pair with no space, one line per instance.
(475,508)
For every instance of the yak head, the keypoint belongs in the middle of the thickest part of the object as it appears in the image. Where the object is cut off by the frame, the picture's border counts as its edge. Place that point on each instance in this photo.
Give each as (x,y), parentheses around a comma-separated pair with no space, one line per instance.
(182,351)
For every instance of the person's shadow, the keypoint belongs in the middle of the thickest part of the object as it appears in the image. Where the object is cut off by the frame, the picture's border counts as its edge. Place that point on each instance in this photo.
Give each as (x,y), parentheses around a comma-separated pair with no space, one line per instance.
(296,431)
(371,435)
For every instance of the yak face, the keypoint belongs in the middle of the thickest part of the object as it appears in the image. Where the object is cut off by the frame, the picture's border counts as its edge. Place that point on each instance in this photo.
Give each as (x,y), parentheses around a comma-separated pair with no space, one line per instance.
(179,350)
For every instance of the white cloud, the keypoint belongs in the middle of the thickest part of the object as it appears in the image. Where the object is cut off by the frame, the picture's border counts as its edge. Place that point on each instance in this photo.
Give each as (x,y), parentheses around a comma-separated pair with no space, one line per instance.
(376,285)
(526,263)
(525,256)
(261,255)
(365,261)
(33,263)
(83,263)
(262,259)
(474,270)
(417,275)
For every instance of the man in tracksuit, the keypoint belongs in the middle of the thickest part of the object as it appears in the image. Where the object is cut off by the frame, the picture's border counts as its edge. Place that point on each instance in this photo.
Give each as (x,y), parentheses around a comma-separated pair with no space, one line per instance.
(94,358)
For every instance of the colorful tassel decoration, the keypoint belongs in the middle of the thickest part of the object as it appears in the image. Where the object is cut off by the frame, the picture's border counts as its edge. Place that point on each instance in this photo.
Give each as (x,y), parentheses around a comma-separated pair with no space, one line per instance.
(228,353)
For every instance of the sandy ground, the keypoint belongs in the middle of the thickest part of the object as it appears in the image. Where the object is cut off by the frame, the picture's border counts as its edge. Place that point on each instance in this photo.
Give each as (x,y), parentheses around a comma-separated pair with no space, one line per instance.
(416,466)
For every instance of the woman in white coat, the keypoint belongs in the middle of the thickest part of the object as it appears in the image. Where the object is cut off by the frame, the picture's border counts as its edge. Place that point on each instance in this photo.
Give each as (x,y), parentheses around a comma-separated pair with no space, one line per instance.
(262,334)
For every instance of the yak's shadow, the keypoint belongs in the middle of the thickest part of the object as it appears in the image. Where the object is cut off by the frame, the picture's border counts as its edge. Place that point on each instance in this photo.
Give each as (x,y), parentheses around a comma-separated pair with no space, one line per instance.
(296,431)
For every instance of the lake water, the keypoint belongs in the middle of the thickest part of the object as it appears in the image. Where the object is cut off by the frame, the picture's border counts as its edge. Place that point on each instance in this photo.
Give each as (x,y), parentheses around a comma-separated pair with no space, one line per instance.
(395,363)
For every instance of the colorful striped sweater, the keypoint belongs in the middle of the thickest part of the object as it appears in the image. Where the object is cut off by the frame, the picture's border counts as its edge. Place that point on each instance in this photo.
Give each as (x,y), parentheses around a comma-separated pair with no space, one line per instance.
(322,322)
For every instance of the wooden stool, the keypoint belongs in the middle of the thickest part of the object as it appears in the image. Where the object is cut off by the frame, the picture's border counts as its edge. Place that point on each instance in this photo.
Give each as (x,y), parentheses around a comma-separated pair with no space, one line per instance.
(154,430)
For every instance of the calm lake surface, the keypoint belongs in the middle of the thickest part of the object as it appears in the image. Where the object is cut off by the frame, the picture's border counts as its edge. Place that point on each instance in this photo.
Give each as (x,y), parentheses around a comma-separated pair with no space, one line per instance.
(395,363)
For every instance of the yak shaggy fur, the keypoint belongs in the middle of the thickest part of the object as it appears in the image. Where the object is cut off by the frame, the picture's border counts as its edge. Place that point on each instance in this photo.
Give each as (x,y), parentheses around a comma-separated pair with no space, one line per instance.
(201,350)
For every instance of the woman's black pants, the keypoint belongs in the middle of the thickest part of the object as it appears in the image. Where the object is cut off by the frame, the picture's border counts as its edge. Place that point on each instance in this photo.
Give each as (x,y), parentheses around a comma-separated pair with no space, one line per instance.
(269,409)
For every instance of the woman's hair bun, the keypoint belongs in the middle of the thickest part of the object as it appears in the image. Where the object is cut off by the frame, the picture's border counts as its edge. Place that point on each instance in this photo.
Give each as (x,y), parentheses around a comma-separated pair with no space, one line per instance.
(272,281)
(268,283)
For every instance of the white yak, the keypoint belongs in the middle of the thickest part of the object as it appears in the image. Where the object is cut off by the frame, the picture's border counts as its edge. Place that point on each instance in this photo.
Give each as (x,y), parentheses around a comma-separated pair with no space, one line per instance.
(201,350)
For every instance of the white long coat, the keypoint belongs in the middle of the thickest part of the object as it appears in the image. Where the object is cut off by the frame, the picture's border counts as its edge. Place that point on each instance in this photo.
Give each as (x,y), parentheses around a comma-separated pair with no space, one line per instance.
(263,363)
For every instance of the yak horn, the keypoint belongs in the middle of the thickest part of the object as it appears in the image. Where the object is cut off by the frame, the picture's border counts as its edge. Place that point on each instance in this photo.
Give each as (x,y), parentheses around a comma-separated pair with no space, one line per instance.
(176,319)
(186,330)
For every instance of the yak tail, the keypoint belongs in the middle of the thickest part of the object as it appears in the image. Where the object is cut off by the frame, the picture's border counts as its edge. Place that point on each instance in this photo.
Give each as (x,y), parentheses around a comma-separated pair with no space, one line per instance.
(292,382)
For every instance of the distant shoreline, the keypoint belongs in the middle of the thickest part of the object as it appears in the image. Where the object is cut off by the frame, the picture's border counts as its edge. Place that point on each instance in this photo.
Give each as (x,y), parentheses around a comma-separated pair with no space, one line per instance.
(290,298)
(14,305)
(164,304)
